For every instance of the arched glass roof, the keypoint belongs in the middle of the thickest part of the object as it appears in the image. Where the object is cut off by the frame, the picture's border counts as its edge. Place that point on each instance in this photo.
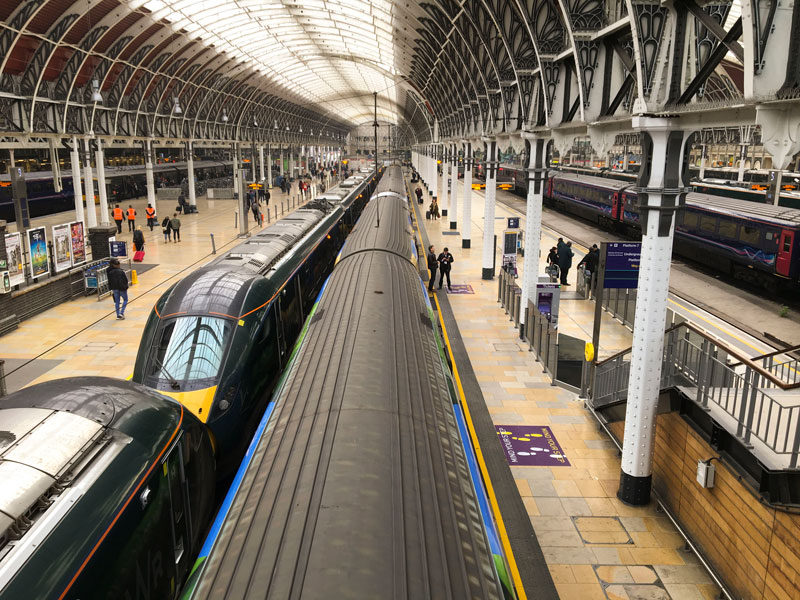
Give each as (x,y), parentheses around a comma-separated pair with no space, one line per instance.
(330,53)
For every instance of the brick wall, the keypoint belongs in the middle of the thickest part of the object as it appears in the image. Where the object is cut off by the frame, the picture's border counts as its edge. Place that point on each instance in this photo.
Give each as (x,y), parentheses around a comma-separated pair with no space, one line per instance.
(755,549)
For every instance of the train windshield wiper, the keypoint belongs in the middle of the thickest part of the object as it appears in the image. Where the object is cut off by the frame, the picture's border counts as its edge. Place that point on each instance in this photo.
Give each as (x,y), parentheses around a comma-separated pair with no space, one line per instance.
(173,383)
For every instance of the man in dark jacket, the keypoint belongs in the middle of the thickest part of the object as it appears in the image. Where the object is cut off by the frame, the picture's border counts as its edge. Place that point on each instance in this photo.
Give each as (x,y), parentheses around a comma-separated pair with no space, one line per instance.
(445,260)
(433,264)
(565,255)
(591,260)
(118,284)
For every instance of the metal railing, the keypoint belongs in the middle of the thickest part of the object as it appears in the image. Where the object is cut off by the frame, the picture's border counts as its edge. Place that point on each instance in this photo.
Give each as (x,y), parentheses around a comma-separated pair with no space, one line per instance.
(542,340)
(509,295)
(746,390)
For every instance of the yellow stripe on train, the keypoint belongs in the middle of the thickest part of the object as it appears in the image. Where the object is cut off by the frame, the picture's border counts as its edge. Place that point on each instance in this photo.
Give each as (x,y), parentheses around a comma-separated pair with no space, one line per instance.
(197,402)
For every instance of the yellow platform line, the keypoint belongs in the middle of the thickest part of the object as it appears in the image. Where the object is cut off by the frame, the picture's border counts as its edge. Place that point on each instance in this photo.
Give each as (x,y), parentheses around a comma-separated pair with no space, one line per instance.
(501,528)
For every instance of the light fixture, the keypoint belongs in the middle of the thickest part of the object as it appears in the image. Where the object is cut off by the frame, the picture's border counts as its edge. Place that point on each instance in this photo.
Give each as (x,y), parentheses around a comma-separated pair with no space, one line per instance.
(177,107)
(224,116)
(255,122)
(301,129)
(276,124)
(96,95)
(287,128)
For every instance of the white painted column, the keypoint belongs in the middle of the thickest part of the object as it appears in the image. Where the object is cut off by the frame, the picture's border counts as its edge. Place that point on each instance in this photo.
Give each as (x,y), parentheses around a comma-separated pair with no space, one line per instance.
(190,174)
(434,172)
(101,183)
(77,190)
(488,210)
(58,184)
(454,187)
(148,170)
(88,185)
(658,224)
(444,194)
(269,166)
(280,166)
(261,162)
(466,217)
(742,158)
(703,162)
(533,223)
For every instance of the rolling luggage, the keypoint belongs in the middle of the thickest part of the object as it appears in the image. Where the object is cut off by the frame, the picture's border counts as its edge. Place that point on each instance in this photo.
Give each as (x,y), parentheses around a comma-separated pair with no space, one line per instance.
(138,256)
(428,215)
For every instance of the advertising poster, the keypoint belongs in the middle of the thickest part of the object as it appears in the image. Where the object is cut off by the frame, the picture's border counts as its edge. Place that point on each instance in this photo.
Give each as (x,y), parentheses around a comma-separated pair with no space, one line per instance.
(77,243)
(61,251)
(15,262)
(37,251)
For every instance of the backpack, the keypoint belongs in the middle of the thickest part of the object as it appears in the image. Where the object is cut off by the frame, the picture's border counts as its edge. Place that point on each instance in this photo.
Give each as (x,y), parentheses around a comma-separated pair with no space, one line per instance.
(165,222)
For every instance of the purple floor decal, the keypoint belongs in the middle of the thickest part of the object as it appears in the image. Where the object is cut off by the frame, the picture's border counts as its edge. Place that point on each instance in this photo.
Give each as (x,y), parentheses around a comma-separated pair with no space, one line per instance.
(531,446)
(461,289)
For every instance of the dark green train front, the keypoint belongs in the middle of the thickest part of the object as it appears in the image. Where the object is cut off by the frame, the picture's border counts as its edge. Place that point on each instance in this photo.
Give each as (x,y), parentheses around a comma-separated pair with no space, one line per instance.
(218,339)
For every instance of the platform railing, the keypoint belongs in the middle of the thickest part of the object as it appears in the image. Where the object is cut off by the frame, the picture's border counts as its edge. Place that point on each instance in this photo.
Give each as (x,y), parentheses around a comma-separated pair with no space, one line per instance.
(509,295)
(542,339)
(744,389)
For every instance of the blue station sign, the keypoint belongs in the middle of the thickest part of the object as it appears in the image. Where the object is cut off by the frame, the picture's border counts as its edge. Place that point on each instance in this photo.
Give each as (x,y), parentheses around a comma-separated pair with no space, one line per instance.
(622,265)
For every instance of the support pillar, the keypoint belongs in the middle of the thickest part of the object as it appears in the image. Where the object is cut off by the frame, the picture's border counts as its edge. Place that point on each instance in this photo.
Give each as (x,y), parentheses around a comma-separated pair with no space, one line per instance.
(269,165)
(58,185)
(444,202)
(537,148)
(488,209)
(466,218)
(280,166)
(703,162)
(434,173)
(661,192)
(148,170)
(77,190)
(190,174)
(88,184)
(453,187)
(99,162)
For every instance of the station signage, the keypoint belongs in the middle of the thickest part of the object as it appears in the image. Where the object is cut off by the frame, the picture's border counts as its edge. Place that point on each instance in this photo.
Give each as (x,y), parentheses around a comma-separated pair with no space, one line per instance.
(622,265)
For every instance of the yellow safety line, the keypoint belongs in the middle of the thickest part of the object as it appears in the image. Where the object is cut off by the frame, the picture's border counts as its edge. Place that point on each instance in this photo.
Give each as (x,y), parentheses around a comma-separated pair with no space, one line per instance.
(512,564)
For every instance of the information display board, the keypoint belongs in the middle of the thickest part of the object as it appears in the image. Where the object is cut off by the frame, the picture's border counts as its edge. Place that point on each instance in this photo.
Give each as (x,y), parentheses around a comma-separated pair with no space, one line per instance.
(622,265)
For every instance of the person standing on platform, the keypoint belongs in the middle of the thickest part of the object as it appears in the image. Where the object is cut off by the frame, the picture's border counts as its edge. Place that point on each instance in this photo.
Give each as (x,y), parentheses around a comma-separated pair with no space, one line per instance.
(181,203)
(418,192)
(445,260)
(167,229)
(131,218)
(118,284)
(267,196)
(150,213)
(175,225)
(433,264)
(565,255)
(118,217)
(591,260)
(138,239)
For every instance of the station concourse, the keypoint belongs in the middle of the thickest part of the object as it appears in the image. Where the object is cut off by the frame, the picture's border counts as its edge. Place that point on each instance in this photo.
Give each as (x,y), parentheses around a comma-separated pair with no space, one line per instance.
(635,430)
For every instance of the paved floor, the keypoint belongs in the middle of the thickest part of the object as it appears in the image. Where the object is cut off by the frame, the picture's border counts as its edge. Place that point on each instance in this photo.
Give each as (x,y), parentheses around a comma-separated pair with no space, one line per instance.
(83,337)
(595,546)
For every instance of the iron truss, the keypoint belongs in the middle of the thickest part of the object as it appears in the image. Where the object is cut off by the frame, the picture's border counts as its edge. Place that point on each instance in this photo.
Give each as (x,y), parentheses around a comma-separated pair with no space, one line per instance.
(469,68)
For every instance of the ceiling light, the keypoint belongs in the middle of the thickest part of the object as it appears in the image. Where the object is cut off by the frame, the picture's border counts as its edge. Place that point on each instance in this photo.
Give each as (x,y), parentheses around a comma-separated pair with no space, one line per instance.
(255,123)
(224,116)
(177,107)
(276,124)
(96,95)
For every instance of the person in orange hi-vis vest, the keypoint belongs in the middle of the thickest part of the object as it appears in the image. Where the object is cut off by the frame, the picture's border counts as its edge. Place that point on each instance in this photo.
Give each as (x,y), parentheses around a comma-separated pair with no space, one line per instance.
(131,218)
(118,218)
(150,212)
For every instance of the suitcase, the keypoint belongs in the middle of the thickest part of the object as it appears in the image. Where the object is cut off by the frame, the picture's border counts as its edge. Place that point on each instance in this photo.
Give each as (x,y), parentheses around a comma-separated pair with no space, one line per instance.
(428,215)
(138,256)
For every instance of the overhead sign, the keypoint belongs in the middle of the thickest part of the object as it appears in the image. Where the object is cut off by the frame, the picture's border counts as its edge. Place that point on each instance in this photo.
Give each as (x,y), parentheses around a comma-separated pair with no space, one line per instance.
(622,265)
(255,186)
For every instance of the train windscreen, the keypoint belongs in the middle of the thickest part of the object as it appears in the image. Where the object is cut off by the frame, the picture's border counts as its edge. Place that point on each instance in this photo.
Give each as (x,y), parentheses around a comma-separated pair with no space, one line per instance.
(189,350)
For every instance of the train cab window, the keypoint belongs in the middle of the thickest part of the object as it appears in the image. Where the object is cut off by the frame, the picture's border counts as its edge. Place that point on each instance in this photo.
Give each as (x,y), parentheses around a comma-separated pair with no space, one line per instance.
(749,235)
(190,349)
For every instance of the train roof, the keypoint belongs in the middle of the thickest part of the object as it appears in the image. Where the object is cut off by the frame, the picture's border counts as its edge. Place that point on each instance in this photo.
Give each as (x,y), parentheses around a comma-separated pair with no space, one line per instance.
(364,446)
(612,184)
(65,434)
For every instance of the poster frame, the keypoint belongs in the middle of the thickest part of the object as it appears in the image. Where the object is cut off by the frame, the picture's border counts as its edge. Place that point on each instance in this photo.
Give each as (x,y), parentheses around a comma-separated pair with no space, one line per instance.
(82,253)
(18,277)
(30,234)
(62,230)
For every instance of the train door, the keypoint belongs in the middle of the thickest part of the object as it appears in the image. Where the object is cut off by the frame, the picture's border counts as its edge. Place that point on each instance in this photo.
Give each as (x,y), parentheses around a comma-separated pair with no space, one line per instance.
(180,519)
(784,261)
(615,206)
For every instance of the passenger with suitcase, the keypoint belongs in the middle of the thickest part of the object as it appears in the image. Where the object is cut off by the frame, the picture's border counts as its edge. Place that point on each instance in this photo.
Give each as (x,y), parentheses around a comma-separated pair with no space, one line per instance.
(434,209)
(418,192)
(138,241)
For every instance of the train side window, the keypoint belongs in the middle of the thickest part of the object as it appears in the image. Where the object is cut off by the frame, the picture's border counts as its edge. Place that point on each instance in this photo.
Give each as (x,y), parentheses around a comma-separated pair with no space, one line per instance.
(749,235)
(728,229)
(690,220)
(708,224)
(769,236)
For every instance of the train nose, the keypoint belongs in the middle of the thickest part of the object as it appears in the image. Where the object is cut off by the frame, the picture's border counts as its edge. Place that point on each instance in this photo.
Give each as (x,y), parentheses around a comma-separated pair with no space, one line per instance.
(198,402)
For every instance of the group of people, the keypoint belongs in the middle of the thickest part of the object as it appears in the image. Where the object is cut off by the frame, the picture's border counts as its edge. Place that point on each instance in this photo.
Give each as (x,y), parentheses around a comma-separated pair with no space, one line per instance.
(561,255)
(442,263)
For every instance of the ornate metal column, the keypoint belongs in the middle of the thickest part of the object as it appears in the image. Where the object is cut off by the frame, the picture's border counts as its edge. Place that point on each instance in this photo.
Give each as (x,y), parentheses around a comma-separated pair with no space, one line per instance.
(466,218)
(661,193)
(444,195)
(99,159)
(190,173)
(269,166)
(88,184)
(75,158)
(488,208)
(453,186)
(537,148)
(148,169)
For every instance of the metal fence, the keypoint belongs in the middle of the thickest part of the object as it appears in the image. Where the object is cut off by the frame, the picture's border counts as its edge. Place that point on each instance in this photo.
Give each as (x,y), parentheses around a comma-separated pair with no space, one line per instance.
(717,376)
(509,295)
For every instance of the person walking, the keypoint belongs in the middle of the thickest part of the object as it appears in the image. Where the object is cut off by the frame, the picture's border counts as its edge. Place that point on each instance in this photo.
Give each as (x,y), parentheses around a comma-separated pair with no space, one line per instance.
(434,208)
(565,255)
(138,239)
(175,225)
(150,213)
(433,265)
(131,218)
(167,229)
(118,284)
(182,203)
(445,260)
(256,212)
(267,196)
(118,217)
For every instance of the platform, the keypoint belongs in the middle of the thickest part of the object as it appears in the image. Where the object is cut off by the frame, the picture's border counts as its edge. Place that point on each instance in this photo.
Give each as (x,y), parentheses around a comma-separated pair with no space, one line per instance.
(595,547)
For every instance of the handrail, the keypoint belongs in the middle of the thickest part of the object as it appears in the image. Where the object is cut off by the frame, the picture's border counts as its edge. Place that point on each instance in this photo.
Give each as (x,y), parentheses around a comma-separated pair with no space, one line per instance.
(735,352)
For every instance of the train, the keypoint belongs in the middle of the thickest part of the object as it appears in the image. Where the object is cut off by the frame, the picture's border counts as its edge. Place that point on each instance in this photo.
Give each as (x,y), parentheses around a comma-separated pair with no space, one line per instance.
(123,183)
(218,339)
(107,491)
(758,243)
(357,483)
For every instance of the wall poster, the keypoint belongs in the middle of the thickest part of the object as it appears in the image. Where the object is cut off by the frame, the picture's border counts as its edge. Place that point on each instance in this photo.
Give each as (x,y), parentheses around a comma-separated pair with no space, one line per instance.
(37,251)
(61,251)
(16,264)
(77,244)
